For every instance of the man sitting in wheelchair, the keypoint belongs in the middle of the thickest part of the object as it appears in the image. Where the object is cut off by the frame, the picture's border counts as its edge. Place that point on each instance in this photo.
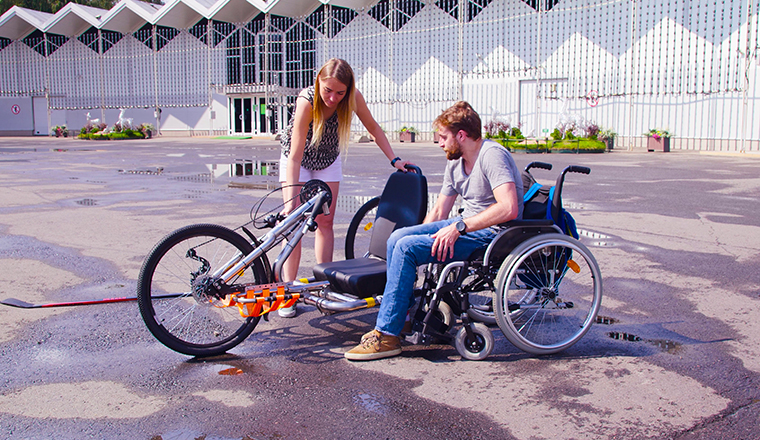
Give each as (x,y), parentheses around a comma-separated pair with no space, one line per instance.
(484,174)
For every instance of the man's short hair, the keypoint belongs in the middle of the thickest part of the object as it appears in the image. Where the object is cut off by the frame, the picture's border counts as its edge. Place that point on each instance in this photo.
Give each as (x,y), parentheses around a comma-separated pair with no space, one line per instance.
(460,116)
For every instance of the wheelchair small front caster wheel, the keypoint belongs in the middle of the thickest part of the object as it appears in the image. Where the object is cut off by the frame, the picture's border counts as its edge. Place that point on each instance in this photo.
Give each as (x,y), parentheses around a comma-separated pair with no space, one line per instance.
(478,349)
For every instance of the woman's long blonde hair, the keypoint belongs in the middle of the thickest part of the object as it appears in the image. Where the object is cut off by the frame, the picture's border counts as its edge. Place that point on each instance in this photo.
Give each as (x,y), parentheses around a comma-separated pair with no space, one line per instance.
(340,70)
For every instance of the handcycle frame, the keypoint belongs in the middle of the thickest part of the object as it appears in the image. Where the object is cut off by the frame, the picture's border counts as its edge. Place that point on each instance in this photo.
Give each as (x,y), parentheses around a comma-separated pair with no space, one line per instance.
(293,226)
(444,296)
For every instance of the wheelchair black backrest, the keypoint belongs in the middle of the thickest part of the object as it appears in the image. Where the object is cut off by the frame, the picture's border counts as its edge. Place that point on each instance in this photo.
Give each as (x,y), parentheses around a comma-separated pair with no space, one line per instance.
(402,203)
(536,207)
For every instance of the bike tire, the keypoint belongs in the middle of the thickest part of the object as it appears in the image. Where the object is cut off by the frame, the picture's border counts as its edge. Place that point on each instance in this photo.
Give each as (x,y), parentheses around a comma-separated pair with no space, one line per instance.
(361,224)
(187,323)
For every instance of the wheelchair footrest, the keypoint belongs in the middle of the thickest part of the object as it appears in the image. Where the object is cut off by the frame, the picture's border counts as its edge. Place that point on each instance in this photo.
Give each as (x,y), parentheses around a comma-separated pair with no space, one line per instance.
(419,338)
(428,328)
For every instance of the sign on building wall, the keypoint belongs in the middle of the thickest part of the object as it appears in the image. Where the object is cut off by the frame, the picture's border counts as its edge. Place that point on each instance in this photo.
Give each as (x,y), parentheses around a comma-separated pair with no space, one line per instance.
(16,116)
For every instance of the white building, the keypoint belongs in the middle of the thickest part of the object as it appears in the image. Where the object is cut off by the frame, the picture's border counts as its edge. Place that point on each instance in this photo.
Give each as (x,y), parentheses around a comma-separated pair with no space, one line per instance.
(233,67)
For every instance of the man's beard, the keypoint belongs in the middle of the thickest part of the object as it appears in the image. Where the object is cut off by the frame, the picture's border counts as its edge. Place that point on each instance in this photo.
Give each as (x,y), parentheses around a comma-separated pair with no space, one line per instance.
(455,152)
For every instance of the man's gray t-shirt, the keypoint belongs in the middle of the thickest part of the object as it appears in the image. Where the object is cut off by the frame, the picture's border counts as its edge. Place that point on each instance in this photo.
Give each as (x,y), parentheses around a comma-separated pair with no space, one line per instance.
(493,167)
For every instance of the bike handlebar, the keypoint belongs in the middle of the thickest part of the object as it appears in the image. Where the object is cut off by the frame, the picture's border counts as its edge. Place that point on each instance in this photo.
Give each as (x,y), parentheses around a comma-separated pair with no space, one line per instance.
(272,219)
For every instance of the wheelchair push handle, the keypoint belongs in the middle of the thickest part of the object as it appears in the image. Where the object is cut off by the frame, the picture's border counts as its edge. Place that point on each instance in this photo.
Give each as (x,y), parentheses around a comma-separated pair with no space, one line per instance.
(577,169)
(413,168)
(569,169)
(542,165)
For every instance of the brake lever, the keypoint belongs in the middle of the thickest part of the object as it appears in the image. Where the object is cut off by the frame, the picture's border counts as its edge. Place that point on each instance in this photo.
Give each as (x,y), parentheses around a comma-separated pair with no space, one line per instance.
(272,219)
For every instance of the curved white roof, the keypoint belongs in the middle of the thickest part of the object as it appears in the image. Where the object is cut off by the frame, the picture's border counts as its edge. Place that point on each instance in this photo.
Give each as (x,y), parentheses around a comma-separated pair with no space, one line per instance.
(130,15)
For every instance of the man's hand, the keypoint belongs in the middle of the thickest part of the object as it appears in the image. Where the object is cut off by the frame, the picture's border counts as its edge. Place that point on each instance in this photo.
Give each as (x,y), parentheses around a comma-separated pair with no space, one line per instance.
(443,246)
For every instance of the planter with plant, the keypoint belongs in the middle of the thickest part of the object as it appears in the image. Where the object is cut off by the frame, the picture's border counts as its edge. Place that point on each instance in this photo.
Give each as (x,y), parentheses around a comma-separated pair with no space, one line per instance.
(60,130)
(147,130)
(658,140)
(407,134)
(608,136)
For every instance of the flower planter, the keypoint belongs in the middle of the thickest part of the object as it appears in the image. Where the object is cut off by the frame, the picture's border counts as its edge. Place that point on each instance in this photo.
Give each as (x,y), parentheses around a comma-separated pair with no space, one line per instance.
(662,144)
(407,136)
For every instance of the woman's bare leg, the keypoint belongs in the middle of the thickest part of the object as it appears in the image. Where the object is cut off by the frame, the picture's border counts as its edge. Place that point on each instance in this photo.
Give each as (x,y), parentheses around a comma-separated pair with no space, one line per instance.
(324,241)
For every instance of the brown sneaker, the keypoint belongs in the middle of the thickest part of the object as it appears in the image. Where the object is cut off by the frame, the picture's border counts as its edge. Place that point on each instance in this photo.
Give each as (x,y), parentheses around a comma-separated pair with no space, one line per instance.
(375,345)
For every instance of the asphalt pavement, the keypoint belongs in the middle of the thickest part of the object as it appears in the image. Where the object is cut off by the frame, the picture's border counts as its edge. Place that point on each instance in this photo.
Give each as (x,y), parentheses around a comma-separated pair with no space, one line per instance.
(674,356)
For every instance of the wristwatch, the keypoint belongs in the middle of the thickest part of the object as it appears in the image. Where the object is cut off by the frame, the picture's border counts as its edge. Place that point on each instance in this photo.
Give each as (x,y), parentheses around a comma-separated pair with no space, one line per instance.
(461,227)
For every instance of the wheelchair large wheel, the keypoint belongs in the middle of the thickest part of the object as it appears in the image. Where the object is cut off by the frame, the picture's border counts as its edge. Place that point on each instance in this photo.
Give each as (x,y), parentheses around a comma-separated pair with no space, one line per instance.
(548,293)
(360,230)
(192,322)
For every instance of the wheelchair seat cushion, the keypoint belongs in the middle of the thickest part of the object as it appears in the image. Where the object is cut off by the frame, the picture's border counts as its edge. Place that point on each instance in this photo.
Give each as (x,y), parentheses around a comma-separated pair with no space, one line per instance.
(362,277)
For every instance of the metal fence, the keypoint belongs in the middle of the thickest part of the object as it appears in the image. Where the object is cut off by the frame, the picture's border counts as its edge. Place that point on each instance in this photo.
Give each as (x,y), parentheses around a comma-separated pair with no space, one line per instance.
(627,65)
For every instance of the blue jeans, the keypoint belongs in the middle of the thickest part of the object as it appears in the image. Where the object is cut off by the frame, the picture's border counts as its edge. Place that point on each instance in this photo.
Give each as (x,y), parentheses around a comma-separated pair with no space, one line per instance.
(409,248)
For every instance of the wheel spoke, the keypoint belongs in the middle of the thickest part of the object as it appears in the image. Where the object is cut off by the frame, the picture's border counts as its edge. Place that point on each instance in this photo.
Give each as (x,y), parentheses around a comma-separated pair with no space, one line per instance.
(192,323)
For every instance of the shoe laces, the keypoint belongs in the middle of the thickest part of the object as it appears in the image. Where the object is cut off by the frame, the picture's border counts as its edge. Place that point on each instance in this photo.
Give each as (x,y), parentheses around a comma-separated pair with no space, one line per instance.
(371,339)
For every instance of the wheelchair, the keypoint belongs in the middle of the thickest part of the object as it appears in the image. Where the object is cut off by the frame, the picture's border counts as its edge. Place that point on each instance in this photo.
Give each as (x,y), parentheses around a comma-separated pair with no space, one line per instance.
(540,286)
(203,288)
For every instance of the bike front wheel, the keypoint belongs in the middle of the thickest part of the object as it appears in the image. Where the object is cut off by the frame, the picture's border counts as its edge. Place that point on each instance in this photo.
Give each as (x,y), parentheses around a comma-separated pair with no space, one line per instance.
(178,311)
(548,293)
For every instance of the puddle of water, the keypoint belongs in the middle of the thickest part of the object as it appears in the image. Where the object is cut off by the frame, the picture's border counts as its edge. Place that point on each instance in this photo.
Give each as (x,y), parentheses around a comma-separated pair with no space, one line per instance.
(572,205)
(201,178)
(189,435)
(602,244)
(624,336)
(155,172)
(371,403)
(245,167)
(590,234)
(671,347)
(606,320)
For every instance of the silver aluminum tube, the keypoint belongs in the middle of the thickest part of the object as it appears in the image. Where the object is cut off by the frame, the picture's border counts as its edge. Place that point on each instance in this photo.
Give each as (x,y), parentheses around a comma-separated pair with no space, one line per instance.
(448,268)
(266,243)
(336,302)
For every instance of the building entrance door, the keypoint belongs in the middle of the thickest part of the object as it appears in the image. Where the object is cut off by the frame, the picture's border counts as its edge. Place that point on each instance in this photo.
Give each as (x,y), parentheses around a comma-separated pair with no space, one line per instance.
(249,116)
(241,121)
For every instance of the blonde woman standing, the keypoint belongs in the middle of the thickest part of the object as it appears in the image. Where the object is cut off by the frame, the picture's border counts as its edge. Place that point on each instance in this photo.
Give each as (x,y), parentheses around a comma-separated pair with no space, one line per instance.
(317,133)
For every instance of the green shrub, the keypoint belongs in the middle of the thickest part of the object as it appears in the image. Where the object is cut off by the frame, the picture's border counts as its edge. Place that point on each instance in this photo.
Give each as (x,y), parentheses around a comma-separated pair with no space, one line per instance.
(516,133)
(584,144)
